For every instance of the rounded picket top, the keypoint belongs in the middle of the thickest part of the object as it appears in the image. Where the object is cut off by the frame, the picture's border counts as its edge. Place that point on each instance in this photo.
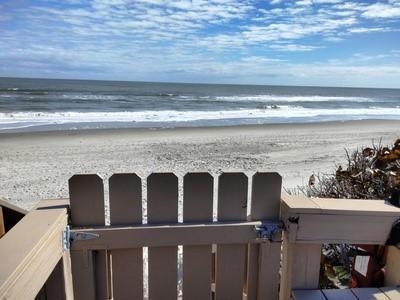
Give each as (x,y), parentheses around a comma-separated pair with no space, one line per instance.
(162,198)
(86,192)
(232,196)
(266,195)
(125,191)
(198,195)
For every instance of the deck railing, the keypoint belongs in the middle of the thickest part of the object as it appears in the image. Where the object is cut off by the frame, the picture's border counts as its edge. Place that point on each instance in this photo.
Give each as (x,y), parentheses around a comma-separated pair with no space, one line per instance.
(241,255)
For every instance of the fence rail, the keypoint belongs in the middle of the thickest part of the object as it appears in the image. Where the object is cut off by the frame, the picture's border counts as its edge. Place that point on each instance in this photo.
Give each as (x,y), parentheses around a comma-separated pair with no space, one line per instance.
(225,259)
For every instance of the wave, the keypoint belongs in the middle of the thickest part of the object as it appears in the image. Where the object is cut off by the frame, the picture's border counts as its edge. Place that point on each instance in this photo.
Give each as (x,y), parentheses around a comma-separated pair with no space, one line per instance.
(290,98)
(24,119)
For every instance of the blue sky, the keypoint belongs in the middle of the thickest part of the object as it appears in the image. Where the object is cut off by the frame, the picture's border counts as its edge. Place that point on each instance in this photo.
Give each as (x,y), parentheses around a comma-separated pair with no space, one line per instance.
(305,42)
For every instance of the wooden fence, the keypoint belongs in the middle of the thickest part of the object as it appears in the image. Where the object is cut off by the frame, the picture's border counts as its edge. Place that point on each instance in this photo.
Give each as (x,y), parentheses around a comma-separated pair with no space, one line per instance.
(240,255)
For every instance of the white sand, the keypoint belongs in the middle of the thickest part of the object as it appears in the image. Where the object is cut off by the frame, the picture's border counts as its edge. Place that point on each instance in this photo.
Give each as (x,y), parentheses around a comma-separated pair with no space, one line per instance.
(37,165)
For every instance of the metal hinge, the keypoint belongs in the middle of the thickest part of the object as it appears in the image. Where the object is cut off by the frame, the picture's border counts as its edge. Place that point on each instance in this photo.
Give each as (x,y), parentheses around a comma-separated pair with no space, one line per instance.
(67,238)
(70,236)
(267,230)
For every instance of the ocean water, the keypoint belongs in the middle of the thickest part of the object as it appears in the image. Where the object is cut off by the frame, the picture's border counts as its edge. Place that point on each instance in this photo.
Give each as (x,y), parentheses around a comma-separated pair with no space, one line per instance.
(43,104)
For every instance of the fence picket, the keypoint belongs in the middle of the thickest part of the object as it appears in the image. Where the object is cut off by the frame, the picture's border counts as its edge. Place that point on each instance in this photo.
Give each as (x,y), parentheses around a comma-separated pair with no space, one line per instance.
(198,189)
(263,259)
(125,209)
(162,207)
(230,259)
(87,209)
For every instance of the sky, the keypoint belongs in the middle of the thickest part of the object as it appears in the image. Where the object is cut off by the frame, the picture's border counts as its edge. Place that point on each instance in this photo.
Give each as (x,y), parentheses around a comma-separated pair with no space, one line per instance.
(304,42)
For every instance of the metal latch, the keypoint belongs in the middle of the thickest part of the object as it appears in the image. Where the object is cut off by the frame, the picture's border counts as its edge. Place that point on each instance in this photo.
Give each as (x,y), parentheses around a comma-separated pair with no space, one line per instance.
(70,236)
(267,230)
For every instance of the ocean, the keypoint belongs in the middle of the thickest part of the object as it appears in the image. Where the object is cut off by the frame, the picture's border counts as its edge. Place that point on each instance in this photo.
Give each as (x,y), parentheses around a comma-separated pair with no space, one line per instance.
(52,104)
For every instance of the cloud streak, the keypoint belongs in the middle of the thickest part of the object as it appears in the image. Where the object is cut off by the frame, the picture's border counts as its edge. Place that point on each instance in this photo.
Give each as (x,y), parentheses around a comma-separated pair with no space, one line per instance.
(198,40)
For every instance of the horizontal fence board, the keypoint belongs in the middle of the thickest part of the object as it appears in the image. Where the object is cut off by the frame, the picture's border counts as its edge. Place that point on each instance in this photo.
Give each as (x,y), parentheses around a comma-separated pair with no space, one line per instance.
(114,237)
(198,190)
(30,258)
(126,208)
(337,220)
(162,207)
(343,229)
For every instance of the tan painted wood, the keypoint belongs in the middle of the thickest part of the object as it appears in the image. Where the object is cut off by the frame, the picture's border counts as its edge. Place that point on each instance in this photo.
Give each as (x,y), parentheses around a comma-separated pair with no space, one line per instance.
(304,205)
(67,273)
(300,267)
(345,294)
(393,293)
(198,189)
(89,271)
(308,295)
(162,207)
(338,220)
(230,259)
(2,228)
(7,204)
(12,214)
(343,229)
(264,259)
(32,257)
(54,287)
(392,268)
(369,294)
(126,208)
(126,237)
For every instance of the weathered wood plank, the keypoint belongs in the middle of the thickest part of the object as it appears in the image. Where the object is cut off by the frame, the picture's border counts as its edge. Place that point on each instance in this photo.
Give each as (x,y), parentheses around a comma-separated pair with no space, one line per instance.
(126,208)
(339,295)
(198,190)
(87,209)
(393,293)
(338,221)
(264,259)
(162,207)
(343,229)
(32,257)
(308,295)
(300,267)
(392,268)
(369,294)
(230,259)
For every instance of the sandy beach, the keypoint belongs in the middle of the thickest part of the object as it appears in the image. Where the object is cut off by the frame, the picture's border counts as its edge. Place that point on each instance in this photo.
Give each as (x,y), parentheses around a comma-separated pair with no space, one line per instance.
(37,165)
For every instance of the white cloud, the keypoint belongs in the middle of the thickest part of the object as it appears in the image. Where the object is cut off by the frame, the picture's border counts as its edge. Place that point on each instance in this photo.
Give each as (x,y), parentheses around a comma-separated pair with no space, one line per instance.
(294,47)
(380,10)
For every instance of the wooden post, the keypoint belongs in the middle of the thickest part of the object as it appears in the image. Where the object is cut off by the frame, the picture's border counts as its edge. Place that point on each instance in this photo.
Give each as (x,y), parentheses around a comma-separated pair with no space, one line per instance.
(300,267)
(32,251)
(392,270)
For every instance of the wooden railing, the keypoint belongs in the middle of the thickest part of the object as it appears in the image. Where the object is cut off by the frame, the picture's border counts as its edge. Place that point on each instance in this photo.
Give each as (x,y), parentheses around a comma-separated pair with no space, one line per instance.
(32,254)
(107,260)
